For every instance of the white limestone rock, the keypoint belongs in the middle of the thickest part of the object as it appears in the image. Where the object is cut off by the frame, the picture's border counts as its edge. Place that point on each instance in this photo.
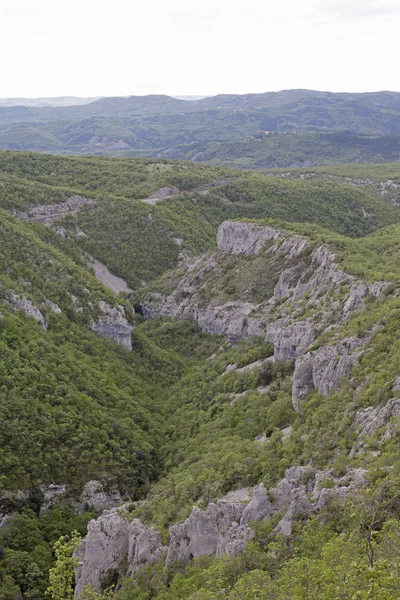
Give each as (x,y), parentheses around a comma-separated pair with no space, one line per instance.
(94,495)
(112,324)
(369,420)
(145,546)
(323,369)
(245,238)
(20,303)
(207,531)
(104,548)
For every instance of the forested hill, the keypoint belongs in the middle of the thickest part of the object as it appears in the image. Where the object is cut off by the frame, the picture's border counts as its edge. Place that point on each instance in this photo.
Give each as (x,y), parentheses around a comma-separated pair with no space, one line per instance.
(225,427)
(205,129)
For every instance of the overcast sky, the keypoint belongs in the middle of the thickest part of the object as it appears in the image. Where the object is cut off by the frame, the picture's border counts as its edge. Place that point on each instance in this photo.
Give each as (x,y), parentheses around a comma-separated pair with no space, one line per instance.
(179,47)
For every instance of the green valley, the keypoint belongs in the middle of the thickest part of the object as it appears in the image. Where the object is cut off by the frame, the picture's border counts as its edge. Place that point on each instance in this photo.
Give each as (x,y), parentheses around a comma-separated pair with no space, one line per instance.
(228,426)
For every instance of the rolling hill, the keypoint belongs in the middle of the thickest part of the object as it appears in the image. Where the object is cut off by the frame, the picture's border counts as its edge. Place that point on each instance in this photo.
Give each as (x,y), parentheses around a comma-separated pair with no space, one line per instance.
(228,129)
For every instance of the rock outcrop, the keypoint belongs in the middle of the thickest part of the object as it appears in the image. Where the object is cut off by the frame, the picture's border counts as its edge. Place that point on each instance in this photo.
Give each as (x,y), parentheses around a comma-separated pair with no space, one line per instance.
(245,238)
(118,545)
(323,369)
(103,550)
(369,420)
(299,494)
(45,213)
(95,495)
(17,302)
(112,324)
(215,530)
(311,295)
(115,545)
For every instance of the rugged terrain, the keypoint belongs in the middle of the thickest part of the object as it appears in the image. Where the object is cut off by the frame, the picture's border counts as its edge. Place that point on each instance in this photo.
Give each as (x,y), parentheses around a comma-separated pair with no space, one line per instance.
(200,376)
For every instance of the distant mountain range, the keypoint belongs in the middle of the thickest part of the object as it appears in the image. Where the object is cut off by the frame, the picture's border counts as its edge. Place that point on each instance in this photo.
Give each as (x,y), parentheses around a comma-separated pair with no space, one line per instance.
(42,102)
(252,130)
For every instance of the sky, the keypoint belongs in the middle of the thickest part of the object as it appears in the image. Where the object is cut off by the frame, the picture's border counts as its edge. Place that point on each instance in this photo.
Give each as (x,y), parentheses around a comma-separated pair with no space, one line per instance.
(189,47)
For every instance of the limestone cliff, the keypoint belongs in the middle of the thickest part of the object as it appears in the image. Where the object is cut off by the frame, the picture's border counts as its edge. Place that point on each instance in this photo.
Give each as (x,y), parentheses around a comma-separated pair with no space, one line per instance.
(113,324)
(306,294)
(118,544)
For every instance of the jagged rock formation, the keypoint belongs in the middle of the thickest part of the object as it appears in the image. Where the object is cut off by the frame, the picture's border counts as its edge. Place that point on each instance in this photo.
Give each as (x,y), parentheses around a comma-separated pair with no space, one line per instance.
(311,295)
(215,530)
(94,495)
(102,550)
(239,238)
(112,324)
(20,303)
(323,369)
(368,421)
(116,543)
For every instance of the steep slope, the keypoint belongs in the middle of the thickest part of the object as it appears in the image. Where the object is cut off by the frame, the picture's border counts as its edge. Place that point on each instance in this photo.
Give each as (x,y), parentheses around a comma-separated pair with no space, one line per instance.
(244,457)
(142,217)
(238,425)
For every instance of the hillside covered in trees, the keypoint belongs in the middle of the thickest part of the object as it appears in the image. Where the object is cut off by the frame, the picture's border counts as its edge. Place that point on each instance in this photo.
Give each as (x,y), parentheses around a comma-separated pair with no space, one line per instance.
(291,128)
(249,369)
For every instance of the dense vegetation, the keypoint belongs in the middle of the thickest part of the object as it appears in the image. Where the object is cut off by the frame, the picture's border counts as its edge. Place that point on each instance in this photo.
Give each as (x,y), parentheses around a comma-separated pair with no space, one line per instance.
(227,129)
(140,241)
(169,421)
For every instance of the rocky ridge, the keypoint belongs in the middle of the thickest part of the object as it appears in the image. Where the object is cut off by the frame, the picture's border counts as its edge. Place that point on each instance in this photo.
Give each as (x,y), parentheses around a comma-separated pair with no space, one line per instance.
(110,322)
(311,295)
(118,544)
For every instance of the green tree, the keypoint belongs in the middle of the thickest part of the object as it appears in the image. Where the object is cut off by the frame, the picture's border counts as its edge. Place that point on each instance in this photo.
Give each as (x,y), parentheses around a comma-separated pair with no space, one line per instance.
(62,576)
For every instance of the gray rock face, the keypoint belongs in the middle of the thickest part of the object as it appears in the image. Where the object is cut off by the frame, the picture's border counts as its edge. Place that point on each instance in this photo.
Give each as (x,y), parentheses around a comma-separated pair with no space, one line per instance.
(52,307)
(245,238)
(323,369)
(145,546)
(259,507)
(45,213)
(308,283)
(95,496)
(290,341)
(234,540)
(299,495)
(105,548)
(208,531)
(115,543)
(20,303)
(369,420)
(112,324)
(53,494)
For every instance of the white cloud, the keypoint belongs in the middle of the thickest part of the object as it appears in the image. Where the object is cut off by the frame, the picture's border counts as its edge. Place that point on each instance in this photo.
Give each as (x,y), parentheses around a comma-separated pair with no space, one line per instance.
(91,48)
(360,9)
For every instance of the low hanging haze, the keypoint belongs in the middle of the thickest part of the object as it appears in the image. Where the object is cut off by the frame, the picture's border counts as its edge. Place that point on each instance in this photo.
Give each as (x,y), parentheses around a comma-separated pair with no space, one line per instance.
(196,47)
